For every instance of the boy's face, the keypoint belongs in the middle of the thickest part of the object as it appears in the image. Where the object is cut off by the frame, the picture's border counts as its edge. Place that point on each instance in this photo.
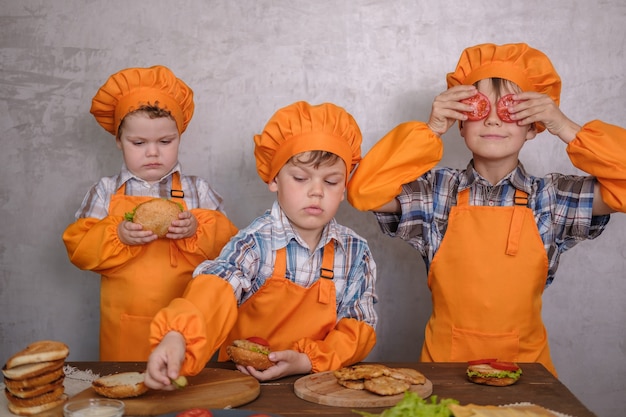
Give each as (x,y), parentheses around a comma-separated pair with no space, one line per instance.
(491,140)
(310,196)
(149,146)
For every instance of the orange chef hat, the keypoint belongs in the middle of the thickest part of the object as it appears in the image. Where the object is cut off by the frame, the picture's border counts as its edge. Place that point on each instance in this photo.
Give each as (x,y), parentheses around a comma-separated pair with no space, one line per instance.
(129,89)
(302,127)
(527,67)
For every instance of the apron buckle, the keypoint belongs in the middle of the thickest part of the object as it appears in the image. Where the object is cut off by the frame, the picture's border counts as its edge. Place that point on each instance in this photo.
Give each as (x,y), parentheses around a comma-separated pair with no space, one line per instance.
(520,200)
(177,193)
(327,273)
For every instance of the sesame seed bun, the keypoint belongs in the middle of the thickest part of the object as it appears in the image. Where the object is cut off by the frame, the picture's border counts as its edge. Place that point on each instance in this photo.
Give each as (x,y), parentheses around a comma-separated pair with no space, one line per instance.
(157,215)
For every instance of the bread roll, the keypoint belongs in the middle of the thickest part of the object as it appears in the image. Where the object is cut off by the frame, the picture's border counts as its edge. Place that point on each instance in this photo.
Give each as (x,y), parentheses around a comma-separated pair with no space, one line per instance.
(121,385)
(157,215)
(40,351)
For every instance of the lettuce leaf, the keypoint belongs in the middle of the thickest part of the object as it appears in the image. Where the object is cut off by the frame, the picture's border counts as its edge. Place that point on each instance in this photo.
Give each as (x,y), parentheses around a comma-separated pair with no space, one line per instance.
(412,405)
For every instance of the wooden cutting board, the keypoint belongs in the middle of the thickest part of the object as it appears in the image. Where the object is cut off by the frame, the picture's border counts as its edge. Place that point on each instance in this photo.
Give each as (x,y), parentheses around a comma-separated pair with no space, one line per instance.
(211,388)
(323,389)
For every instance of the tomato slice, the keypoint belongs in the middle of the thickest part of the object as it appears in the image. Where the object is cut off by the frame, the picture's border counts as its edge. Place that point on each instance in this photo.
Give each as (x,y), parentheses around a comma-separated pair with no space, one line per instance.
(504,366)
(502,108)
(258,340)
(481,361)
(195,412)
(481,105)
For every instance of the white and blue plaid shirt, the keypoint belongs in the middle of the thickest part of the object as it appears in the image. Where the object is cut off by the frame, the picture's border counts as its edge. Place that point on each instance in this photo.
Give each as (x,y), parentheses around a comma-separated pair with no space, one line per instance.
(561,204)
(247,261)
(197,192)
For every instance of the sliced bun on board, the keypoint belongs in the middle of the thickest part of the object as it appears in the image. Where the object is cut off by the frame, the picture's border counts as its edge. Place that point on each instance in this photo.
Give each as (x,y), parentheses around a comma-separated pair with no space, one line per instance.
(121,385)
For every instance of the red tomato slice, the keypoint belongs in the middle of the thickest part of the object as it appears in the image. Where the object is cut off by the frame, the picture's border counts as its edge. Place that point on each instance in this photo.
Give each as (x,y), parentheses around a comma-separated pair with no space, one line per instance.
(195,412)
(481,361)
(481,105)
(258,340)
(502,108)
(504,366)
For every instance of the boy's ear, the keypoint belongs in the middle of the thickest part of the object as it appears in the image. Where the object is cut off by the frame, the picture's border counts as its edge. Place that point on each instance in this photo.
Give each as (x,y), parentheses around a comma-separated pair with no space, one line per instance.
(273,185)
(532,132)
(118,142)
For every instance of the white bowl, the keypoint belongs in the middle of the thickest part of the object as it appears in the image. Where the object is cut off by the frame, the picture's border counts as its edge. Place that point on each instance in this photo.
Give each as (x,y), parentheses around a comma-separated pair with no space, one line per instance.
(94,407)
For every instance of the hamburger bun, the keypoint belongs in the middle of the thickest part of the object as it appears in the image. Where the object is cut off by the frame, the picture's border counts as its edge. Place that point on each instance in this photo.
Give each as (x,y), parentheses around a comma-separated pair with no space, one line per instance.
(156,215)
(32,370)
(36,391)
(40,351)
(52,394)
(36,409)
(36,381)
(493,372)
(516,410)
(247,352)
(121,385)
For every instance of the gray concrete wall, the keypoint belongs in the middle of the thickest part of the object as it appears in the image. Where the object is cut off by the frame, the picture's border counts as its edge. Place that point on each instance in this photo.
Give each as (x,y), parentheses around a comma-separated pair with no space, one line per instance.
(382,60)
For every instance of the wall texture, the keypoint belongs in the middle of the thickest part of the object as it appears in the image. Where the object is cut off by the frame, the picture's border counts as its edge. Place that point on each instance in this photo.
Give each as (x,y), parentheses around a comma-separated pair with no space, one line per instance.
(382,60)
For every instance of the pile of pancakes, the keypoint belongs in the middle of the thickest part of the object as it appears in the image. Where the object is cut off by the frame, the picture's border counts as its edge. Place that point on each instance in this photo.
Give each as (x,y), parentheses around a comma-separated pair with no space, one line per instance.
(378,378)
(34,378)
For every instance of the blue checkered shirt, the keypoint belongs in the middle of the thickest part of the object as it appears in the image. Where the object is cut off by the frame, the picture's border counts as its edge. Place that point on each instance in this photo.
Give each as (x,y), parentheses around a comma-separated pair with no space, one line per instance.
(247,261)
(561,204)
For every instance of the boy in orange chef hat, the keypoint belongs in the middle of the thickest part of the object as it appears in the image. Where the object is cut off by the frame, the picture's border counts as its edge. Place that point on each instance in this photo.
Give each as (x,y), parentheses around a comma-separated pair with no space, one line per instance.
(491,234)
(147,110)
(294,276)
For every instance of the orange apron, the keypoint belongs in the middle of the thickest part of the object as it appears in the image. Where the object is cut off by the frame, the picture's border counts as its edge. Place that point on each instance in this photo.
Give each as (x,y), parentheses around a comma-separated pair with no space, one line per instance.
(283,312)
(132,294)
(487,280)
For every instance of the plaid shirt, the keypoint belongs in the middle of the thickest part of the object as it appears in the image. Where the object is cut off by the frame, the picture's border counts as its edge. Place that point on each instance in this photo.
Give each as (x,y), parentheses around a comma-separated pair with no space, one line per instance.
(198,192)
(561,205)
(247,261)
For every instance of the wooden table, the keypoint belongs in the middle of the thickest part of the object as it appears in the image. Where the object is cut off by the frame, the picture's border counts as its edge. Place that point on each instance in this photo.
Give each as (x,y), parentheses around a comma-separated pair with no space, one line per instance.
(536,385)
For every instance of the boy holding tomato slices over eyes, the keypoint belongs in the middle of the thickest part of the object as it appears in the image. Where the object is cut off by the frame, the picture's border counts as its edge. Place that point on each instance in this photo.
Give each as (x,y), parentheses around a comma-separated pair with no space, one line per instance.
(491,234)
(294,277)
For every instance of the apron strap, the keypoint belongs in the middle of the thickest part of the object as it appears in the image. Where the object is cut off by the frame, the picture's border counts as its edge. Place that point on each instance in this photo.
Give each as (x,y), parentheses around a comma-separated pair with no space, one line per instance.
(462,198)
(325,283)
(280,264)
(177,193)
(327,273)
(517,222)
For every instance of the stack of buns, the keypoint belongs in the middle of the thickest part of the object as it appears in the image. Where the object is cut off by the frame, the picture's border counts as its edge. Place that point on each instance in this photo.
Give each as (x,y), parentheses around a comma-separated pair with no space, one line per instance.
(34,378)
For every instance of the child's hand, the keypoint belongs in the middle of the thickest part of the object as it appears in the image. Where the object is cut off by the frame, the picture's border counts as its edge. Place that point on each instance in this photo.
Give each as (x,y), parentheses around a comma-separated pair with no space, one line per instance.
(536,107)
(133,234)
(165,361)
(447,108)
(185,226)
(288,362)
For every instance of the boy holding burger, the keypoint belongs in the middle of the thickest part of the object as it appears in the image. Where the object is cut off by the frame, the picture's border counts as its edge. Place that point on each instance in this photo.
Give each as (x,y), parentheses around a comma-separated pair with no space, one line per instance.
(146,110)
(293,277)
(492,234)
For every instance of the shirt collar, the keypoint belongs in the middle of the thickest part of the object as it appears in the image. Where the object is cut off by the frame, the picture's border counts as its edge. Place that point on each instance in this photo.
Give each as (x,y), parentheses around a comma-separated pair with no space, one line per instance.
(125,175)
(283,231)
(518,178)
